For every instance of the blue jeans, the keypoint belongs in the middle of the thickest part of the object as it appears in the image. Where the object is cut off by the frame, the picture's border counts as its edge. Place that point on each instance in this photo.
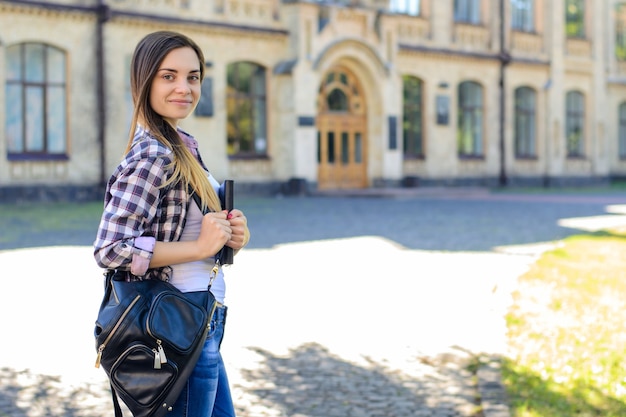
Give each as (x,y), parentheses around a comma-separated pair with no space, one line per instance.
(207,393)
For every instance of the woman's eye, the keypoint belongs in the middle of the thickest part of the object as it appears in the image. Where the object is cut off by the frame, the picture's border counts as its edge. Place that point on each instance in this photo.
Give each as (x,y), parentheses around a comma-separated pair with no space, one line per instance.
(168,77)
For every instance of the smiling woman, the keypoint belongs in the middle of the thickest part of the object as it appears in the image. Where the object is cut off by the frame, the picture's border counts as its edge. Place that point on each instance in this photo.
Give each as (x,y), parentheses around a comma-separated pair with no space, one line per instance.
(176,88)
(153,226)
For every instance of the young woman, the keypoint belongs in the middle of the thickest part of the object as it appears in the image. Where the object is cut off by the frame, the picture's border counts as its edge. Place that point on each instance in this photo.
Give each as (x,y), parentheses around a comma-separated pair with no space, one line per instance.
(151,226)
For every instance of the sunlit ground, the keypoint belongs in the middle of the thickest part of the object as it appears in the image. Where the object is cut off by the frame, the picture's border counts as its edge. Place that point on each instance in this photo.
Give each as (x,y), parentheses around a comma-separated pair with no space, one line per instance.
(364,305)
(329,322)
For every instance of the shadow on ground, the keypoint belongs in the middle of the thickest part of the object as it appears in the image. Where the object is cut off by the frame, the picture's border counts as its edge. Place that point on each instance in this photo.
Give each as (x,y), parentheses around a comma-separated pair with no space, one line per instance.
(311,381)
(28,394)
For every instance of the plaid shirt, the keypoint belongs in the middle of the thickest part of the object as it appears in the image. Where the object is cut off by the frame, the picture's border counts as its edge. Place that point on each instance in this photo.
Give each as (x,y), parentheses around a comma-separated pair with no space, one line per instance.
(135,206)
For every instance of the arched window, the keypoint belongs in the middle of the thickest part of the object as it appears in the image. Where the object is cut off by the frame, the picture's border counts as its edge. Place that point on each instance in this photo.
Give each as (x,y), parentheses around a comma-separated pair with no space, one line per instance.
(340,93)
(575,124)
(247,109)
(338,100)
(412,117)
(525,123)
(622,131)
(35,102)
(470,120)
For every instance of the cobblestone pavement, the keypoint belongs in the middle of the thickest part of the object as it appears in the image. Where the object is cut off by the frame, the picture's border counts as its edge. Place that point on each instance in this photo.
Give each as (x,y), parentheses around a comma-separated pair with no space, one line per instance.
(346,307)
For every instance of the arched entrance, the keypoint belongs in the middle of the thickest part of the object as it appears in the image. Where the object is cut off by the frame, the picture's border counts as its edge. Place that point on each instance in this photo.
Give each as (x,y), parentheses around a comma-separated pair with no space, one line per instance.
(341,132)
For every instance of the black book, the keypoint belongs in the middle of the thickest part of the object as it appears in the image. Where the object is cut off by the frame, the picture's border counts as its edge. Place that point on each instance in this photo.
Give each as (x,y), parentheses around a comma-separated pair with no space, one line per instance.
(226,195)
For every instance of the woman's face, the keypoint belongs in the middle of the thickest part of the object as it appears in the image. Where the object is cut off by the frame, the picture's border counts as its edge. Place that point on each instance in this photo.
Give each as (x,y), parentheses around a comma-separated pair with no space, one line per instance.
(175,89)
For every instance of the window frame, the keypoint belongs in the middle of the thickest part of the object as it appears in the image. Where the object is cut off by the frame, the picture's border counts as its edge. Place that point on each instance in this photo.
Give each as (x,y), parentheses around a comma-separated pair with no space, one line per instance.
(620,31)
(472,110)
(523,16)
(407,7)
(575,115)
(413,128)
(621,135)
(37,80)
(525,122)
(467,11)
(575,23)
(255,102)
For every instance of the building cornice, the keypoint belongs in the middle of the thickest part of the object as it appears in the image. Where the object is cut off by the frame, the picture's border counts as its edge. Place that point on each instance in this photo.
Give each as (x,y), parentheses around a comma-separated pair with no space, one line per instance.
(107,13)
(196,22)
(452,53)
(50,5)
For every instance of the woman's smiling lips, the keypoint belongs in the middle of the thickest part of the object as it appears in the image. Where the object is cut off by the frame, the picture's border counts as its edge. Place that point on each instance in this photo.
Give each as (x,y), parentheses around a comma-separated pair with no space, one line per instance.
(181,102)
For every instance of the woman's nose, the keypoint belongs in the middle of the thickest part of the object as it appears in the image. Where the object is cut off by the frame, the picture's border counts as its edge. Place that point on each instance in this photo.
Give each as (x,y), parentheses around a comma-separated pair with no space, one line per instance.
(183,86)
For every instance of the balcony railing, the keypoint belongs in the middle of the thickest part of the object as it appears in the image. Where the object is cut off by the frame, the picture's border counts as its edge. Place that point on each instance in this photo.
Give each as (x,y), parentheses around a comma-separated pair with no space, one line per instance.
(248,11)
(578,47)
(412,29)
(471,37)
(527,43)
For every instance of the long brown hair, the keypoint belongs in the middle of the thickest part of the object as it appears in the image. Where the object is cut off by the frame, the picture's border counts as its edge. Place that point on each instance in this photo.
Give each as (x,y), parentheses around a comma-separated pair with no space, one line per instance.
(147,58)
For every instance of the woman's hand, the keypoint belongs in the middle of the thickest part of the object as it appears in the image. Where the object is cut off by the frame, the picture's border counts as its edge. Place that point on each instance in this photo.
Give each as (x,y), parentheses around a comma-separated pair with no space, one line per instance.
(215,232)
(239,227)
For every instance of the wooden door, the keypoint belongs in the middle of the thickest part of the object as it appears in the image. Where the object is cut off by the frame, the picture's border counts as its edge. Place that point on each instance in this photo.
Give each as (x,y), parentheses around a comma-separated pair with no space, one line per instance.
(341,132)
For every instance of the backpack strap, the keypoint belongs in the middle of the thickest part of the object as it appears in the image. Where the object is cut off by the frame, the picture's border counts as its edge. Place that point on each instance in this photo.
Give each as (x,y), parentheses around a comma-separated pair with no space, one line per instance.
(116,403)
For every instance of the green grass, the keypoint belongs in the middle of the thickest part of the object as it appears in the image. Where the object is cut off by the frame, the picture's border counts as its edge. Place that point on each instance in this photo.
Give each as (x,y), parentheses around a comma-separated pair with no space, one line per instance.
(23,224)
(615,186)
(567,332)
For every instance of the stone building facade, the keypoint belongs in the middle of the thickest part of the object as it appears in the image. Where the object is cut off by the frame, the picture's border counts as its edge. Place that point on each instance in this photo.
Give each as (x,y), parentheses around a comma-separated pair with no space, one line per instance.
(325,95)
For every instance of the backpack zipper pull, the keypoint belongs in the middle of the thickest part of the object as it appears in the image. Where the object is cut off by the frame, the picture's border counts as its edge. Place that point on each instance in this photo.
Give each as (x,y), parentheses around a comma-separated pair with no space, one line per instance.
(99,357)
(161,352)
(157,359)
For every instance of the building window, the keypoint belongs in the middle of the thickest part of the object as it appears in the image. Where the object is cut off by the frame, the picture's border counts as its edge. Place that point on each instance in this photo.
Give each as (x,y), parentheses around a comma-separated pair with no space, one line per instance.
(412,118)
(575,18)
(470,120)
(247,109)
(622,131)
(525,123)
(36,102)
(575,124)
(410,7)
(338,101)
(522,15)
(620,31)
(467,11)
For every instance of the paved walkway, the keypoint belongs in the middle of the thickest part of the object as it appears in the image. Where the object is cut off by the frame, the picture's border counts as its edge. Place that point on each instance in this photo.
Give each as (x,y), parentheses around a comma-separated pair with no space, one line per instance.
(342,324)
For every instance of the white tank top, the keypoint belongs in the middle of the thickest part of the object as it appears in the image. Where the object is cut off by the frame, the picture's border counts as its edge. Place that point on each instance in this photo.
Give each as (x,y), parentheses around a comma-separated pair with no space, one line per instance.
(195,276)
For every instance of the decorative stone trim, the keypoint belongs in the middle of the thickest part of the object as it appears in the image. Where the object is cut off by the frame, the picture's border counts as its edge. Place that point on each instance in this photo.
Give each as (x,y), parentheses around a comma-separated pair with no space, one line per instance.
(412,30)
(471,37)
(578,47)
(530,43)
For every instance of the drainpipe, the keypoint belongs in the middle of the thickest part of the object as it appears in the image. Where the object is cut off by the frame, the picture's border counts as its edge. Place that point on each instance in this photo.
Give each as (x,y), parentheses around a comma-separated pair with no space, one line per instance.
(505,59)
(102,15)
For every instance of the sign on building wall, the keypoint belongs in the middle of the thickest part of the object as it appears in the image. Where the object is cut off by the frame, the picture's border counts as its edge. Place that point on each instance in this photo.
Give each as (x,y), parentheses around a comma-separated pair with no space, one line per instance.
(443,110)
(205,104)
(393,132)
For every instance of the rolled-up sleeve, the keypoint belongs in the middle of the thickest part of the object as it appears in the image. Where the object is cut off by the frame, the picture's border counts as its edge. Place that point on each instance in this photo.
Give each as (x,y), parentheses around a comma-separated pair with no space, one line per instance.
(141,261)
